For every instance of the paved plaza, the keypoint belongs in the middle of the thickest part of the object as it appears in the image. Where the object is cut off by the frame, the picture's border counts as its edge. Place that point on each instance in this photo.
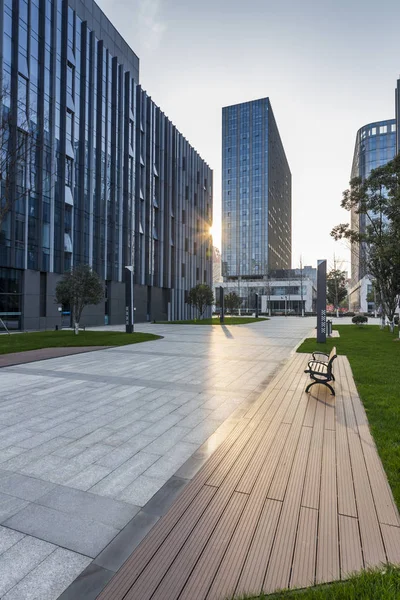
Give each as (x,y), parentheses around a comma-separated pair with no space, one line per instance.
(87,440)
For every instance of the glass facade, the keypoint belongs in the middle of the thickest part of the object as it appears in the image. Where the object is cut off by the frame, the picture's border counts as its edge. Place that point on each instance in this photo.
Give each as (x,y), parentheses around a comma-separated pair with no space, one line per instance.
(375,146)
(73,160)
(256,192)
(75,106)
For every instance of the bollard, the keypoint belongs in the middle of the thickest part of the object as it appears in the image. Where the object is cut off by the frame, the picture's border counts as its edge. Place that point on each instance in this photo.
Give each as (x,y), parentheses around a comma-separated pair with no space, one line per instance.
(329,327)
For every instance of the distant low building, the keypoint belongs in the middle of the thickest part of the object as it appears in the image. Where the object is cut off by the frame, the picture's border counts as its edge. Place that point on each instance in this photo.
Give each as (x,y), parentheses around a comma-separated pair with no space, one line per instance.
(287,294)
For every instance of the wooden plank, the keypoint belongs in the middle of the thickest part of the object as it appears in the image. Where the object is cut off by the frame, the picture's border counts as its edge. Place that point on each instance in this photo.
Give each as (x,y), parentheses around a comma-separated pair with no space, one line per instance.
(194,578)
(258,460)
(351,559)
(227,576)
(391,538)
(233,561)
(258,482)
(252,576)
(303,568)
(345,484)
(328,544)
(253,438)
(279,567)
(310,412)
(330,404)
(260,436)
(313,475)
(296,396)
(279,483)
(351,422)
(371,539)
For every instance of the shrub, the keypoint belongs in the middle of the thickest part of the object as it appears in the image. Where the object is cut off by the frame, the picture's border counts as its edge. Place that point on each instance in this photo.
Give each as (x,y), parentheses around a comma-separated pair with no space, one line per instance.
(349,314)
(396,319)
(359,319)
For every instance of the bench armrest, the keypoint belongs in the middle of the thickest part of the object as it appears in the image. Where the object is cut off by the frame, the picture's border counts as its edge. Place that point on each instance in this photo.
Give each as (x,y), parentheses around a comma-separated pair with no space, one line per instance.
(317,352)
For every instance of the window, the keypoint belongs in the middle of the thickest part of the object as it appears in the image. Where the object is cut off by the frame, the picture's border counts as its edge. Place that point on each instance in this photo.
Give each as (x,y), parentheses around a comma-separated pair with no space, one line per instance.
(69,166)
(22,102)
(383,129)
(70,79)
(183,270)
(69,126)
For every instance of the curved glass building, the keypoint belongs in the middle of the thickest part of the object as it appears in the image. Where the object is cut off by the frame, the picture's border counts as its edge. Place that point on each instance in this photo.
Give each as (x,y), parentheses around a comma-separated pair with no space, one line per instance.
(375,146)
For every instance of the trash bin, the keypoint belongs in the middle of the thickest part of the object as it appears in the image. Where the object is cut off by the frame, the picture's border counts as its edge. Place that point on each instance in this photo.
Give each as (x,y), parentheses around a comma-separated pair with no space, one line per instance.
(329,328)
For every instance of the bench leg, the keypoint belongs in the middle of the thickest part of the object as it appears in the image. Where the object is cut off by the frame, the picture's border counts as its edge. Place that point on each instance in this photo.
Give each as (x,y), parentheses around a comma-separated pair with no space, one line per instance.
(331,388)
(333,377)
(310,386)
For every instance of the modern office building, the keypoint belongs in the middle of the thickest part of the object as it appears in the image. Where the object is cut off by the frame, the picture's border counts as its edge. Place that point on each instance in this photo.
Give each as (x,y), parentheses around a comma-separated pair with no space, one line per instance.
(375,146)
(256,193)
(95,172)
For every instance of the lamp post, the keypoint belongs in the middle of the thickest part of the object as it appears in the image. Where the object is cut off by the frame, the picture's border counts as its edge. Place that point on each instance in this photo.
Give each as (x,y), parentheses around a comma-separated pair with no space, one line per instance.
(129,314)
(60,311)
(239,293)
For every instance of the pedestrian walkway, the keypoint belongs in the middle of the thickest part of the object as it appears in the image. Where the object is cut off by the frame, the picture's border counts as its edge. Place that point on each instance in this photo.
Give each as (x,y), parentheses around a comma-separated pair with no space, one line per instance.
(21,358)
(90,444)
(296,495)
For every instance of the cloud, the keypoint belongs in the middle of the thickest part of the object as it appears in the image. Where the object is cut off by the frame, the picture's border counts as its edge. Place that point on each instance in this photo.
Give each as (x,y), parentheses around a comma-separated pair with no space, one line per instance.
(152,26)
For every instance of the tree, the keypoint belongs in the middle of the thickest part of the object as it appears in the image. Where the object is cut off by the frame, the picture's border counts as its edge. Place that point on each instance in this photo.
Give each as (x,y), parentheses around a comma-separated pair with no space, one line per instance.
(78,288)
(377,199)
(232,301)
(201,296)
(336,287)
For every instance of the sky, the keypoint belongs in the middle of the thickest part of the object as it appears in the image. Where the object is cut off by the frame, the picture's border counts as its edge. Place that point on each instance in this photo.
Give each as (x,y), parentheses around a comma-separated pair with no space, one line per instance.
(328,67)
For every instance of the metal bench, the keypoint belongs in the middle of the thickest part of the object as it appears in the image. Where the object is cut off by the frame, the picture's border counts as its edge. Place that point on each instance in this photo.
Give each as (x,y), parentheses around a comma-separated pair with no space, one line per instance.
(321,370)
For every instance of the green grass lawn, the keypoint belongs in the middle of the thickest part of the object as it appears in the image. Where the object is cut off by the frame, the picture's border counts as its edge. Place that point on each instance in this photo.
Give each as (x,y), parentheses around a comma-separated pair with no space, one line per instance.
(20,342)
(215,321)
(369,585)
(375,360)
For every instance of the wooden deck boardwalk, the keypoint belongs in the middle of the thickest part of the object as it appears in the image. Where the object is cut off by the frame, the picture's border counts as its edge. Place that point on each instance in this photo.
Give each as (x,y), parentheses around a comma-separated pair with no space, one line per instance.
(296,495)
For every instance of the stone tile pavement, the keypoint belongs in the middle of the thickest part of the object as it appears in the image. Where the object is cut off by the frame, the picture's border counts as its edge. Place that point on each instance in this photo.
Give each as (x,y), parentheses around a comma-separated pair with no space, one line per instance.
(87,440)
